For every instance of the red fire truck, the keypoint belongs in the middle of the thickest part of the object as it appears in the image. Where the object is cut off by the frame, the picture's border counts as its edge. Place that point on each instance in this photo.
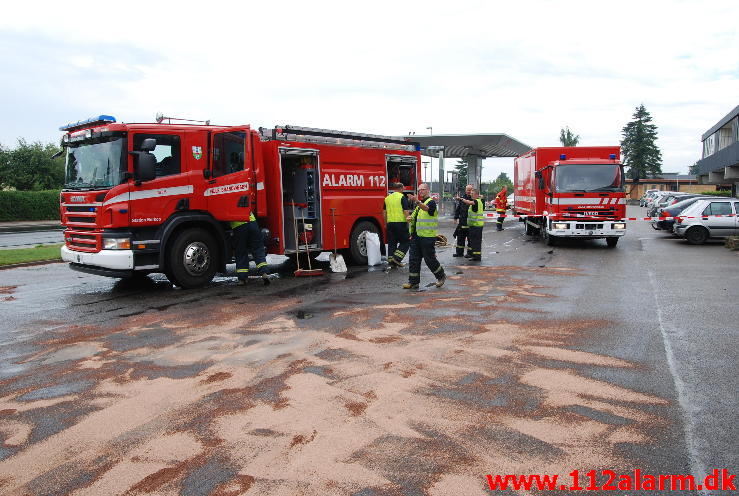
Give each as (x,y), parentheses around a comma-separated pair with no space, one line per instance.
(571,192)
(158,197)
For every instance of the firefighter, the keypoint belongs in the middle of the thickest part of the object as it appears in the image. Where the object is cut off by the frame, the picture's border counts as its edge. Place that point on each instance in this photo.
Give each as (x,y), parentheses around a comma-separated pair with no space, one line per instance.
(460,218)
(423,225)
(501,204)
(249,240)
(475,221)
(396,210)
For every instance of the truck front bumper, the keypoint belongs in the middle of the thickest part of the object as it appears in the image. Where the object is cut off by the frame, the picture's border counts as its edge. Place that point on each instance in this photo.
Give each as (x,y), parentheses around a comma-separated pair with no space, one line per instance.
(587,229)
(105,259)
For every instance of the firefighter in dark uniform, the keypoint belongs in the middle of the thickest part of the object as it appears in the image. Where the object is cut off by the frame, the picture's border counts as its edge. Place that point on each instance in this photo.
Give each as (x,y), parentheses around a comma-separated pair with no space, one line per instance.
(501,204)
(475,221)
(396,210)
(424,222)
(460,218)
(249,240)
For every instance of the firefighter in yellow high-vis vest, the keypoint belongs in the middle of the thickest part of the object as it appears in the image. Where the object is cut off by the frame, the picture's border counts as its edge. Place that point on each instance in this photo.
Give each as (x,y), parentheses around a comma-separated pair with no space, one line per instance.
(249,240)
(423,223)
(396,209)
(475,221)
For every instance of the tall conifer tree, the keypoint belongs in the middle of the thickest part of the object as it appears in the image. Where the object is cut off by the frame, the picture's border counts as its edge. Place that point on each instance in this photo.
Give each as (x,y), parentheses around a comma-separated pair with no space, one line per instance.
(638,148)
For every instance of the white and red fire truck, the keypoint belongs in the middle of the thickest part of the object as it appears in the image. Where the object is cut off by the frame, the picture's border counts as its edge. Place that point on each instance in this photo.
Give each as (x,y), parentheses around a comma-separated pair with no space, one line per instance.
(571,192)
(158,197)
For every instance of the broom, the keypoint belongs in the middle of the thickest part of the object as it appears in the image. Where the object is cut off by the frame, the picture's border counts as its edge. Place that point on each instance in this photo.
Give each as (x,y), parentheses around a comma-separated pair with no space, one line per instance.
(303,272)
(336,261)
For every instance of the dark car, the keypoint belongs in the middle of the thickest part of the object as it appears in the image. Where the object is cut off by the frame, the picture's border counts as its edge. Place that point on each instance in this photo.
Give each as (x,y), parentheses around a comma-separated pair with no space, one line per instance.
(666,201)
(673,210)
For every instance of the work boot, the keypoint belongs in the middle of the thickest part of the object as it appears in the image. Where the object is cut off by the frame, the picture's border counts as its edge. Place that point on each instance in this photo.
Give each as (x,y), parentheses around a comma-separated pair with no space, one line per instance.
(456,254)
(476,259)
(440,282)
(265,279)
(468,255)
(409,285)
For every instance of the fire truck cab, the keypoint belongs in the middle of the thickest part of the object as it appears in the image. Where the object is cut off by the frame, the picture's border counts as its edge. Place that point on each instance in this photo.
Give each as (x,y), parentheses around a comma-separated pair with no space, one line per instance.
(159,197)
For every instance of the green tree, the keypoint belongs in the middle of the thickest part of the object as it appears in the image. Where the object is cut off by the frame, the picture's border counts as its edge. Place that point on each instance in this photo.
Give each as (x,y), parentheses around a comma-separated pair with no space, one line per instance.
(638,148)
(461,167)
(30,166)
(567,138)
(693,169)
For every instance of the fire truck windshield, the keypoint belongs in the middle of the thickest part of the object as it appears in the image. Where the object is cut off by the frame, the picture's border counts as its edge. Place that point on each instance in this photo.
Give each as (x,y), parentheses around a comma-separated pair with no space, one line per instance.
(100,163)
(588,177)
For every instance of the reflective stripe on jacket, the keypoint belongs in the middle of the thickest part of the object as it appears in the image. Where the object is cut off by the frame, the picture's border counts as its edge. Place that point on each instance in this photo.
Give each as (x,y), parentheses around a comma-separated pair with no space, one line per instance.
(394,207)
(425,225)
(501,202)
(238,223)
(475,219)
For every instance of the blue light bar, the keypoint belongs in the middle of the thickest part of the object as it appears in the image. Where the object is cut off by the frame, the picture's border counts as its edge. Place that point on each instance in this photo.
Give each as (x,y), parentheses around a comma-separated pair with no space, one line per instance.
(92,121)
(563,157)
(613,156)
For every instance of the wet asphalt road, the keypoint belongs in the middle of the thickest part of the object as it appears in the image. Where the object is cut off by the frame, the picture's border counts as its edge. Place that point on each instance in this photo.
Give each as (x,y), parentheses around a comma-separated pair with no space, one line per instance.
(538,360)
(11,239)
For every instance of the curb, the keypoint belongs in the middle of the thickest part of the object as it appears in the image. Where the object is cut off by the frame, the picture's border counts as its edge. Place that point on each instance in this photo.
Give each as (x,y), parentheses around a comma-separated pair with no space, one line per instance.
(31,264)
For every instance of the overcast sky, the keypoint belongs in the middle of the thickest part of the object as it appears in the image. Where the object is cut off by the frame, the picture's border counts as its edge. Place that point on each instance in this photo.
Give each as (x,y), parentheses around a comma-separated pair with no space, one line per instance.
(521,68)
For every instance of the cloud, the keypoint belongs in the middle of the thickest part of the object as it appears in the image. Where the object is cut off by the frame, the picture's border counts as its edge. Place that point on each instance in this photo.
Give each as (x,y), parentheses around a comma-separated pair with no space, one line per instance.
(524,69)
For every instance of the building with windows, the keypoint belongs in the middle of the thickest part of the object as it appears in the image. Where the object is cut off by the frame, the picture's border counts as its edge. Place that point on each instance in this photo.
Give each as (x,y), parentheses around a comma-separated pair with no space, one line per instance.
(720,162)
(666,181)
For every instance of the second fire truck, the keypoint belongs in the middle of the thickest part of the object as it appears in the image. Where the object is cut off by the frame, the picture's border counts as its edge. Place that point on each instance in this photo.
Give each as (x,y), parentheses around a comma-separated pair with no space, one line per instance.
(571,192)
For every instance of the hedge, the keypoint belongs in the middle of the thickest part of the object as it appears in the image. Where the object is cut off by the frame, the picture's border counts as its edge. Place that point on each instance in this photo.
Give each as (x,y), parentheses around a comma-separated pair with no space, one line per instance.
(29,205)
(726,192)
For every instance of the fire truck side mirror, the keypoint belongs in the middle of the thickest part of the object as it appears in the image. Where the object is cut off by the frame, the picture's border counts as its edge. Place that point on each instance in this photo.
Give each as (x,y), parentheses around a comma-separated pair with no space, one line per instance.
(144,166)
(540,179)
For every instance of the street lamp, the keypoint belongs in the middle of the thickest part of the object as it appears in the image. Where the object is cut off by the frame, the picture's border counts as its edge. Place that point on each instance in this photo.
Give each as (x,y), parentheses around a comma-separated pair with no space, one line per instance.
(431,130)
(425,174)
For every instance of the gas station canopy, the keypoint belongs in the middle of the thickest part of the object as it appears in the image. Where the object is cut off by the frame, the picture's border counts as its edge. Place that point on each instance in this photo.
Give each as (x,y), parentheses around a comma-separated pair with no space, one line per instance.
(472,147)
(465,145)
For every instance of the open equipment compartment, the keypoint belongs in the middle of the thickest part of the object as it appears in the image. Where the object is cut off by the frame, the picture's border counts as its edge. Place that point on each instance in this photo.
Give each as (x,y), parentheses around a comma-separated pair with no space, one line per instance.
(300,198)
(402,169)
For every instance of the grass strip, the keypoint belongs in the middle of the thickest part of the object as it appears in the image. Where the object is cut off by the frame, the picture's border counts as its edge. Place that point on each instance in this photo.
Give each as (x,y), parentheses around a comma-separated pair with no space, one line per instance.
(22,255)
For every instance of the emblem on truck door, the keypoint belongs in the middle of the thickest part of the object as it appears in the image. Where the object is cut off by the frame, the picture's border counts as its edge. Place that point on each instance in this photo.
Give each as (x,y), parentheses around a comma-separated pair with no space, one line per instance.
(197,152)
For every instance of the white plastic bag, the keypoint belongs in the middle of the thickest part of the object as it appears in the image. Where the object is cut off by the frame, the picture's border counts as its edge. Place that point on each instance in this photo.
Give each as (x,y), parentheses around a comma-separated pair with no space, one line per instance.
(372,241)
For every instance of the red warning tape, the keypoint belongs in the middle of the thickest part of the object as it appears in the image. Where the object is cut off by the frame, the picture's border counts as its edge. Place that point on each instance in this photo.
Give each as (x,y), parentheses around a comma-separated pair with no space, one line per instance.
(592,217)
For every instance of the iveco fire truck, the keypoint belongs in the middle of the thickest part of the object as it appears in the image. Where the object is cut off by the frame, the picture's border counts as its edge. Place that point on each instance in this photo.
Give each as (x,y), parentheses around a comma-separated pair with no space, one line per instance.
(571,192)
(158,197)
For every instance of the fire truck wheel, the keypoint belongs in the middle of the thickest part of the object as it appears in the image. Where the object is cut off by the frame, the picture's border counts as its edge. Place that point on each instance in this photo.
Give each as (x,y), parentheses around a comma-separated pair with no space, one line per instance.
(192,258)
(612,242)
(530,230)
(357,243)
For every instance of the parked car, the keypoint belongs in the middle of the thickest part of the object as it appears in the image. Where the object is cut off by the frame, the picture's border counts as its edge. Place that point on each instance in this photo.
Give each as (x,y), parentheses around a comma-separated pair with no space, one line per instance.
(666,201)
(674,210)
(655,197)
(699,222)
(647,194)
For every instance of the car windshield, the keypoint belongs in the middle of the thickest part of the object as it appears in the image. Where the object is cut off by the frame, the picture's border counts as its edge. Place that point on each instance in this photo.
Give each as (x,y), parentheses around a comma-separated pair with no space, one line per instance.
(588,177)
(95,164)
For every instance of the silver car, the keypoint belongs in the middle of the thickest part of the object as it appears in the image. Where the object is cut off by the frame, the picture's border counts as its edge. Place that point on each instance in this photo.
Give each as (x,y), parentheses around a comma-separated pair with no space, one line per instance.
(708,218)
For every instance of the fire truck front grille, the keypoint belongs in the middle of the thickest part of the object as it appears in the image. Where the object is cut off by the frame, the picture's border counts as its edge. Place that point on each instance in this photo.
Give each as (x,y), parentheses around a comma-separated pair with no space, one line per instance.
(608,212)
(72,208)
(82,241)
(590,227)
(84,220)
